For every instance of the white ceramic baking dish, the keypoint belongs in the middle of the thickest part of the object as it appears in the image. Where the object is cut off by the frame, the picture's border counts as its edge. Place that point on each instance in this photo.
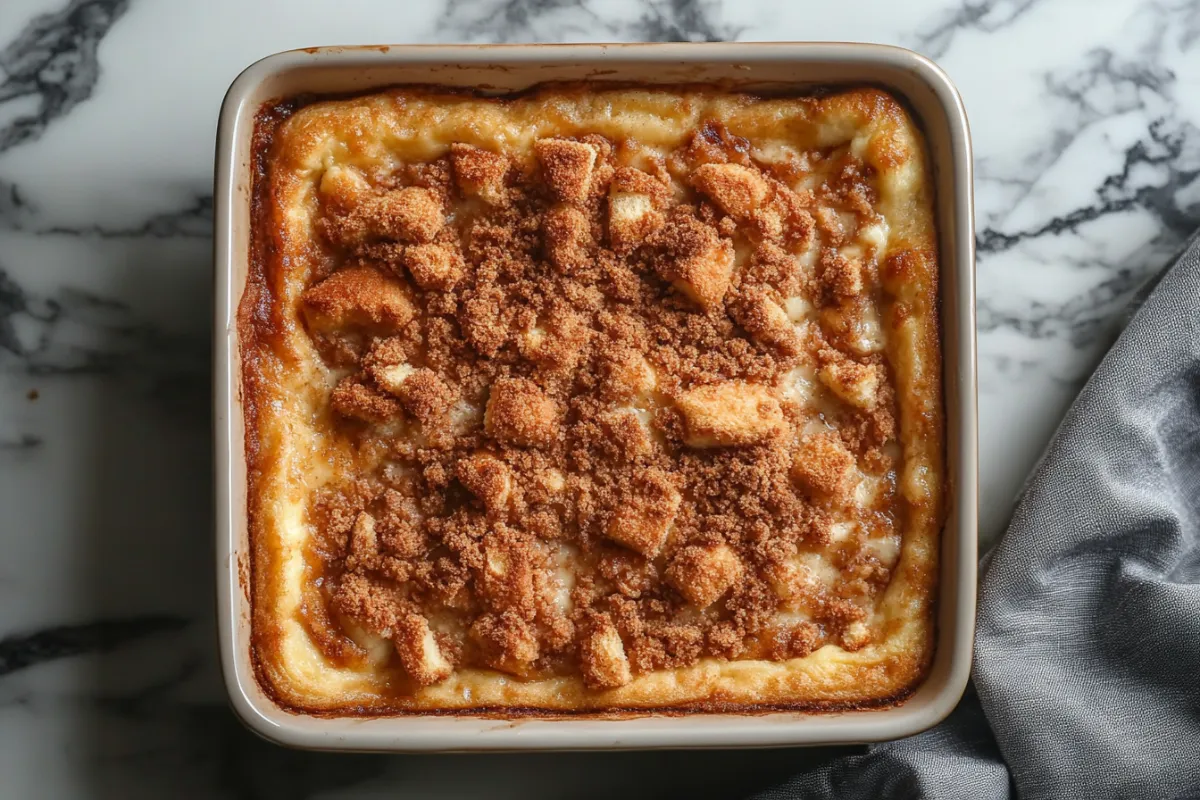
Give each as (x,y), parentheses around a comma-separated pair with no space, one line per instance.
(939,110)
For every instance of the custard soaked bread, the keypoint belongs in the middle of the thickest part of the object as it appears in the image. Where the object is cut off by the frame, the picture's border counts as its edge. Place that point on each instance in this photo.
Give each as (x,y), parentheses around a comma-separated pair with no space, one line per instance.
(592,399)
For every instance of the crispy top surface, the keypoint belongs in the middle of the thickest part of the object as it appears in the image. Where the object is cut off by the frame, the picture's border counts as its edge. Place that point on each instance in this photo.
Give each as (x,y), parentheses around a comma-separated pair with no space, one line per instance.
(600,405)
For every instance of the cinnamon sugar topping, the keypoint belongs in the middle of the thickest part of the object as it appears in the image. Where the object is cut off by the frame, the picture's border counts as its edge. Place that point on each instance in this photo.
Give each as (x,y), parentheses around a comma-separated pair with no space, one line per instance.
(613,415)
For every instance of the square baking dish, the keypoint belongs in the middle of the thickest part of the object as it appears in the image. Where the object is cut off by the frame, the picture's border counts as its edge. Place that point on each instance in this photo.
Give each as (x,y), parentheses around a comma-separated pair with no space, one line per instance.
(939,111)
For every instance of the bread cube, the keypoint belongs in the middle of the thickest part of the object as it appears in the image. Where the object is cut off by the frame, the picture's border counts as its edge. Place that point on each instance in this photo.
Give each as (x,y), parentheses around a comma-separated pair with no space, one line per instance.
(739,191)
(626,374)
(845,276)
(480,173)
(823,465)
(354,398)
(568,167)
(645,515)
(634,202)
(558,346)
(568,237)
(767,321)
(703,574)
(358,296)
(520,412)
(437,267)
(421,391)
(411,214)
(391,377)
(730,414)
(856,384)
(697,261)
(363,542)
(486,477)
(856,636)
(507,642)
(625,428)
(418,650)
(602,657)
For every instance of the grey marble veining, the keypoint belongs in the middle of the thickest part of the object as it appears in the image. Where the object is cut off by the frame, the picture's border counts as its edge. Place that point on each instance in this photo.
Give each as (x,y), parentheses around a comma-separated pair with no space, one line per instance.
(1086,120)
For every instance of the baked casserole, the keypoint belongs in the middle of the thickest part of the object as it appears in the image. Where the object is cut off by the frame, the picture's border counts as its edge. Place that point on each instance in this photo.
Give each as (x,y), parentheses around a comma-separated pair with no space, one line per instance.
(592,399)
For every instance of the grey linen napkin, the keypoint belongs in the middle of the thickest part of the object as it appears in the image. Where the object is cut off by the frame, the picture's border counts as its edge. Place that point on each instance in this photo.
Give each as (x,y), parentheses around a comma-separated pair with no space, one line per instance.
(1086,679)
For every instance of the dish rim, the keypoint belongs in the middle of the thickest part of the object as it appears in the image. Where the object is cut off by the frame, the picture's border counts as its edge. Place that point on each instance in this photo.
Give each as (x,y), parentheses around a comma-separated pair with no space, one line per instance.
(930,703)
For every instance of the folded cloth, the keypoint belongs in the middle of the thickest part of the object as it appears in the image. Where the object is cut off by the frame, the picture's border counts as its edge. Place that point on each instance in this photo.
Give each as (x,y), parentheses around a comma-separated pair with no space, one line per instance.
(1086,679)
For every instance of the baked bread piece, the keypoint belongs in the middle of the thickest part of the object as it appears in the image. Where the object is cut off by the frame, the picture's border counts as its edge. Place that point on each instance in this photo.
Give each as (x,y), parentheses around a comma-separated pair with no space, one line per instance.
(592,399)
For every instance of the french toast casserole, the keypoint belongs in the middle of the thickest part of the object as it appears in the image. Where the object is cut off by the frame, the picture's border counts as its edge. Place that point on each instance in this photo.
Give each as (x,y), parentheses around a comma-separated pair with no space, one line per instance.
(592,399)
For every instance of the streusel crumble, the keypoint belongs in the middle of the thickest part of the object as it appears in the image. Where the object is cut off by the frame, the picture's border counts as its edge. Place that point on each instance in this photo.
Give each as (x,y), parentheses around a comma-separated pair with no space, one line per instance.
(592,399)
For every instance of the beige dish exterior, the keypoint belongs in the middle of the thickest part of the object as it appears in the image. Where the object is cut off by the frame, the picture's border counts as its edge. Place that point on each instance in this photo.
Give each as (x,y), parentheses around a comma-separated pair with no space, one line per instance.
(938,108)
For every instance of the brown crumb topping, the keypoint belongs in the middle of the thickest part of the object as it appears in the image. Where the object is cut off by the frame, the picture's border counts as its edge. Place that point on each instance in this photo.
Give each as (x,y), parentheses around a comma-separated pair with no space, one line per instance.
(568,235)
(570,381)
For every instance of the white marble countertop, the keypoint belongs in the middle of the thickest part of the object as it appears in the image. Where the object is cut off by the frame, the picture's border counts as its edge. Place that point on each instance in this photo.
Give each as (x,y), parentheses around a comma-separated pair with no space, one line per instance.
(1084,118)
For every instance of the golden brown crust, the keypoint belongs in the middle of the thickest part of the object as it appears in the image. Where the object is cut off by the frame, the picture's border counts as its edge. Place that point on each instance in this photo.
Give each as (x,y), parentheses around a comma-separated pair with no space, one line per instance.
(612,406)
(568,237)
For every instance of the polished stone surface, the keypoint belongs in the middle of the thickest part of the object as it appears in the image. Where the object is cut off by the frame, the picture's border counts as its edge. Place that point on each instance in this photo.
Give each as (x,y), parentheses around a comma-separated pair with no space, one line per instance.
(1085,119)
